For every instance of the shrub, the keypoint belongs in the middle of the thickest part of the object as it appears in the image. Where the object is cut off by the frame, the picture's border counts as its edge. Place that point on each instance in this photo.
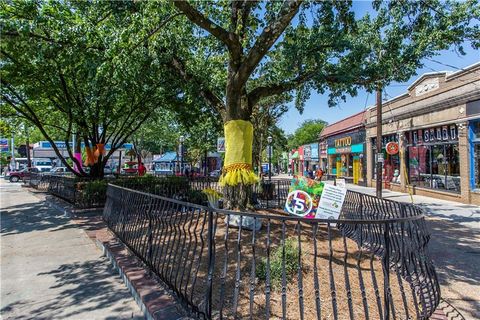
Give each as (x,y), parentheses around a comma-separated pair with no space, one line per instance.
(195,196)
(276,257)
(94,192)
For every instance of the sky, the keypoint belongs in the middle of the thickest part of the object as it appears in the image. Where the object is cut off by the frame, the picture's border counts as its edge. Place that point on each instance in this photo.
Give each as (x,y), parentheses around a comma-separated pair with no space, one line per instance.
(317,107)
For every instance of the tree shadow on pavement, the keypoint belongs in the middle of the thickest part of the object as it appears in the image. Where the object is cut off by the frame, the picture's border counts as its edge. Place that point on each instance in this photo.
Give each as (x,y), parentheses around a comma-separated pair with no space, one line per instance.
(81,290)
(456,255)
(27,217)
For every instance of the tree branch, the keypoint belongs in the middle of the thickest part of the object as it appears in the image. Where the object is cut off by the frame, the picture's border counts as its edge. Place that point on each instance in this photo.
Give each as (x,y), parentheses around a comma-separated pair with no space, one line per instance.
(267,38)
(158,28)
(230,39)
(278,88)
(207,94)
(12,33)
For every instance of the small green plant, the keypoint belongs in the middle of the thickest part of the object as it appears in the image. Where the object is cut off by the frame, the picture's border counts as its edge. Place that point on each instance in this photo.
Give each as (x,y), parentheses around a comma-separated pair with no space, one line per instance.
(94,192)
(291,263)
(195,196)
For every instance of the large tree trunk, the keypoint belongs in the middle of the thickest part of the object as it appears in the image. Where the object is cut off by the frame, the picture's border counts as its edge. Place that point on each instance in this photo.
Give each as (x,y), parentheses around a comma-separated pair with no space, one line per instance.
(238,176)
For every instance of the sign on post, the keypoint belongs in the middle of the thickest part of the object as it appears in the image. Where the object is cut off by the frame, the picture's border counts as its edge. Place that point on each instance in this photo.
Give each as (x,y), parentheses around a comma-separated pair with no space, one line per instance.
(4,145)
(340,183)
(380,157)
(331,202)
(221,144)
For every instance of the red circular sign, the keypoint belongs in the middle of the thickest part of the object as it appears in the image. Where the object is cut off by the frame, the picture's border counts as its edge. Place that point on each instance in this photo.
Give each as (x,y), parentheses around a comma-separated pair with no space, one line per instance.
(392,148)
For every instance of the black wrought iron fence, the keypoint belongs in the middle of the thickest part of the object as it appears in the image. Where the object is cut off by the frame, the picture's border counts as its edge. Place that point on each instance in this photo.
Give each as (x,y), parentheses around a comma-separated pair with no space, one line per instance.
(81,192)
(38,181)
(271,194)
(372,263)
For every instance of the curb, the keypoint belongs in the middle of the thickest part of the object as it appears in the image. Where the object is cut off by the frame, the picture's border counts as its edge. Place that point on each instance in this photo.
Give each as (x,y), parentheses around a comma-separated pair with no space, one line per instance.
(155,303)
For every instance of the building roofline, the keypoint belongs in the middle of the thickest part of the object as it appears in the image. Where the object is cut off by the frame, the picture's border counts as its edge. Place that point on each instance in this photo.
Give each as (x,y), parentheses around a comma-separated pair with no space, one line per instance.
(426,75)
(353,115)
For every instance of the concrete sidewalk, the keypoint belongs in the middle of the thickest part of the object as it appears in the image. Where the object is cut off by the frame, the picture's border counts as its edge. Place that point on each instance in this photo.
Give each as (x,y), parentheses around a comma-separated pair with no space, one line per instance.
(50,269)
(454,247)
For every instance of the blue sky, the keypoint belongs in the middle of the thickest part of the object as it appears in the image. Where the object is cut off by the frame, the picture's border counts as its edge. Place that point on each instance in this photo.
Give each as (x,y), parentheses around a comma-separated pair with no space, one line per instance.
(317,108)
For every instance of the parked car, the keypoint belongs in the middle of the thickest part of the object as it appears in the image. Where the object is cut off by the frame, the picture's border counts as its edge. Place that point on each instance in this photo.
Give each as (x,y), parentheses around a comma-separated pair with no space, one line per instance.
(215,173)
(15,176)
(42,164)
(58,170)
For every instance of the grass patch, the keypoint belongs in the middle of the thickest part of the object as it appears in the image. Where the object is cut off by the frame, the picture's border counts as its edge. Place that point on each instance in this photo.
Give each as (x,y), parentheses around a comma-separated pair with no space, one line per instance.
(277,255)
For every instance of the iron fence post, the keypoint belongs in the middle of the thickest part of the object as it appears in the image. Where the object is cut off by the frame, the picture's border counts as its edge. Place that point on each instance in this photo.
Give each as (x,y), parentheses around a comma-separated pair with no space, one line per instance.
(211,262)
(150,234)
(386,272)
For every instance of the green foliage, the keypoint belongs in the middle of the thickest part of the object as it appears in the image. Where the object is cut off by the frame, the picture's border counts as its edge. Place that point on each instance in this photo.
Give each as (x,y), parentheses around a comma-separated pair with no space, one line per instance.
(308,132)
(291,258)
(76,66)
(196,197)
(93,192)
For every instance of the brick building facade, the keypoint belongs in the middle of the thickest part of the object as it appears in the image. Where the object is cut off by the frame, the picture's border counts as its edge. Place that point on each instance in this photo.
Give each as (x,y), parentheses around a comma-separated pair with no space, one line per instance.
(436,127)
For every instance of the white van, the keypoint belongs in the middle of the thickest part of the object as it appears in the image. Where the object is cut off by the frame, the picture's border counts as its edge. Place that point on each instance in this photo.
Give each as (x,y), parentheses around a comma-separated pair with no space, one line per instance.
(42,164)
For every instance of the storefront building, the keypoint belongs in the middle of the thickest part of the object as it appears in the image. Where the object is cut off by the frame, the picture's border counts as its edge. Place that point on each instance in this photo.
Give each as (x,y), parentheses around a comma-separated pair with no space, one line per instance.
(431,137)
(345,148)
(323,155)
(310,156)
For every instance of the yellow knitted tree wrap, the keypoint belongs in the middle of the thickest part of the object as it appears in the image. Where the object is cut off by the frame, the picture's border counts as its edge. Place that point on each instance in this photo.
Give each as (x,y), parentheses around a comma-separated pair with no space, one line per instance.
(238,154)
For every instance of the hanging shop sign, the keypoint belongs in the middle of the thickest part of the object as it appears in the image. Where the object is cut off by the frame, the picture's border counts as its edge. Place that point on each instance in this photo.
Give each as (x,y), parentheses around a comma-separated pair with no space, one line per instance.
(392,148)
(307,152)
(4,145)
(221,145)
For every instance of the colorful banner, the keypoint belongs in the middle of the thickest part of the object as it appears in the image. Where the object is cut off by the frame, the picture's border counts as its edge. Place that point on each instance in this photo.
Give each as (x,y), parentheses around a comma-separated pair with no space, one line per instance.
(304,196)
(4,145)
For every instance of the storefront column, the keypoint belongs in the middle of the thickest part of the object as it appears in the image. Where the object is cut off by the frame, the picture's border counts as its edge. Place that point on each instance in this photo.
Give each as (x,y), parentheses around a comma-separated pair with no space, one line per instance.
(402,146)
(464,153)
(369,155)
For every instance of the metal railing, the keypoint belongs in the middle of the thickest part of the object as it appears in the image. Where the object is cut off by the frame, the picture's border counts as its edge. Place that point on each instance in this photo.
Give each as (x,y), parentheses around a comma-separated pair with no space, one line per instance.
(38,181)
(80,192)
(372,263)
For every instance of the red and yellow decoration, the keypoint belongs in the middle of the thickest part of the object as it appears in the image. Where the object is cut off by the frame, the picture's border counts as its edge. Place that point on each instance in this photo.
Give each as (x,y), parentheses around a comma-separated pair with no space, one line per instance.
(94,153)
(238,154)
(90,160)
(392,148)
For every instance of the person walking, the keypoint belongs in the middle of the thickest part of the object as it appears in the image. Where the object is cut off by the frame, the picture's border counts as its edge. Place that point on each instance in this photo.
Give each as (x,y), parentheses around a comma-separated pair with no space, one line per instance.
(319,174)
(141,169)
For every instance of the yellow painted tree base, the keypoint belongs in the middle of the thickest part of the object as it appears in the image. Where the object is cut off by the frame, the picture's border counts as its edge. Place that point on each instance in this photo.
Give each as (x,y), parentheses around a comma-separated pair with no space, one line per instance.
(238,176)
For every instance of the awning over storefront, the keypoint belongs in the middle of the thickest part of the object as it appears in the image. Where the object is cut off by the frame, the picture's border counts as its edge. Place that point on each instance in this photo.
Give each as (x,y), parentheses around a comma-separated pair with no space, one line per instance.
(356,148)
(294,155)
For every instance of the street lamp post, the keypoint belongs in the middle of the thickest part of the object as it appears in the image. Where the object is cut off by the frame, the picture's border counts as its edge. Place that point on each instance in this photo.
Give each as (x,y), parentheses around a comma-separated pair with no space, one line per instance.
(182,139)
(269,139)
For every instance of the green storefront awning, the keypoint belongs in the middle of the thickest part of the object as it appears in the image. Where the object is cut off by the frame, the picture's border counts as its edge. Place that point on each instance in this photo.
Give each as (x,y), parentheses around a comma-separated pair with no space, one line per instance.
(295,155)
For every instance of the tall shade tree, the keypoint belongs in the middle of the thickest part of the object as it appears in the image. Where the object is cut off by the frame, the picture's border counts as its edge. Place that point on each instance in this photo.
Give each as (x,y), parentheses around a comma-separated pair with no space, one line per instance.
(68,68)
(307,132)
(246,51)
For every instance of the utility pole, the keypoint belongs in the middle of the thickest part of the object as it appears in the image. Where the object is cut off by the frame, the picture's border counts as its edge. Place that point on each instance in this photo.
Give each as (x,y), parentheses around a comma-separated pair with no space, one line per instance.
(379,155)
(29,160)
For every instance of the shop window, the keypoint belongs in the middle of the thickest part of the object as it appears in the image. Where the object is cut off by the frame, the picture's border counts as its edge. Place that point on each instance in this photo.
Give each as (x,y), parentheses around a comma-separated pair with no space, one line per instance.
(391,168)
(476,167)
(475,139)
(435,166)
